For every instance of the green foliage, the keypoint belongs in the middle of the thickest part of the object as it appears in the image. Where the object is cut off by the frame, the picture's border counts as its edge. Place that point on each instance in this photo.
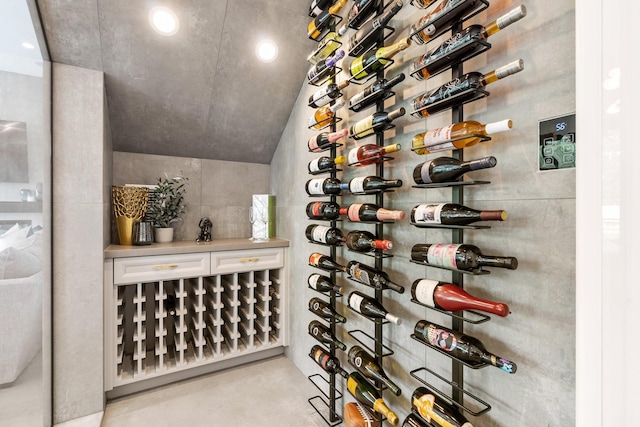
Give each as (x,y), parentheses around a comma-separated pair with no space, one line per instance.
(167,204)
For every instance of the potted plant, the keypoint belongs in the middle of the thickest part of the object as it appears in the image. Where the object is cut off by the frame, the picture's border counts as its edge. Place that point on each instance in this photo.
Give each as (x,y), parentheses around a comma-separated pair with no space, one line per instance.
(166,205)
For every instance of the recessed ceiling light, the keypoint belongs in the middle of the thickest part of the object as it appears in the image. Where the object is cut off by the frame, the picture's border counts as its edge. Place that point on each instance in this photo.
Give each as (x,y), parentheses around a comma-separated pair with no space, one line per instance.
(28,45)
(164,21)
(266,50)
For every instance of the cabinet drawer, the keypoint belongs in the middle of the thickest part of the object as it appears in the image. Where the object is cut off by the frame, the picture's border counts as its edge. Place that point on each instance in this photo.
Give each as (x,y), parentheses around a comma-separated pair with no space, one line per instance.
(164,267)
(246,260)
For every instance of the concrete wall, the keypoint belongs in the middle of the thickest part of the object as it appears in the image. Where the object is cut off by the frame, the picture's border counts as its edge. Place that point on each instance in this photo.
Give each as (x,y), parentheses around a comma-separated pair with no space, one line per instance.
(81,150)
(539,334)
(220,190)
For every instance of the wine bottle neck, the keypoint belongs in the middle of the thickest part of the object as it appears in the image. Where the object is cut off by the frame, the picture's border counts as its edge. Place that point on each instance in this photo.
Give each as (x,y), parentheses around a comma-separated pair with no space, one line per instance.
(502,72)
(484,163)
(499,362)
(505,20)
(493,215)
(393,81)
(496,261)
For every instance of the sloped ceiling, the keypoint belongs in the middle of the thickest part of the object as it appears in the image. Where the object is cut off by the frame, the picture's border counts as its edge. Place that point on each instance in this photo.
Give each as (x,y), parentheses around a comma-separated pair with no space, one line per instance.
(201,93)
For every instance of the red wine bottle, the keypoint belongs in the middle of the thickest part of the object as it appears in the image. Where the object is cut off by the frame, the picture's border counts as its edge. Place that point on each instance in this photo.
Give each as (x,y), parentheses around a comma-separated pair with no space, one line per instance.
(377,122)
(326,361)
(366,184)
(323,210)
(452,214)
(366,394)
(373,93)
(459,256)
(325,262)
(321,186)
(447,296)
(323,234)
(361,11)
(367,365)
(367,212)
(435,410)
(327,94)
(325,140)
(322,283)
(372,277)
(448,169)
(323,69)
(325,164)
(324,310)
(364,241)
(369,154)
(323,334)
(370,307)
(371,31)
(461,346)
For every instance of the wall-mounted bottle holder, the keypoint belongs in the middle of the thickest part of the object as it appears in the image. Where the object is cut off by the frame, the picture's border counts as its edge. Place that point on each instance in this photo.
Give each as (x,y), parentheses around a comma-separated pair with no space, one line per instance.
(460,12)
(468,364)
(452,227)
(376,159)
(323,171)
(386,127)
(323,409)
(480,317)
(327,293)
(336,19)
(373,319)
(332,99)
(359,48)
(334,72)
(456,52)
(325,123)
(325,269)
(325,244)
(449,184)
(370,71)
(483,138)
(464,97)
(367,192)
(333,145)
(331,44)
(369,342)
(476,272)
(374,253)
(372,16)
(370,100)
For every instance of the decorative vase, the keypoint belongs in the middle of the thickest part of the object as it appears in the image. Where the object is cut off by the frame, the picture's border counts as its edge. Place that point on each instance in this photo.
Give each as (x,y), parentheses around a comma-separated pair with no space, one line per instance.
(163,235)
(129,206)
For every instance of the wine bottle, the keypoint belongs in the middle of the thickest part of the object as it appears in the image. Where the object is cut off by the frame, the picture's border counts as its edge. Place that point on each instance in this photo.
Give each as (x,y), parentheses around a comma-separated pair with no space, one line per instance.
(414,420)
(461,346)
(373,93)
(364,241)
(452,214)
(327,94)
(369,154)
(323,234)
(456,136)
(459,256)
(366,65)
(324,310)
(324,163)
(365,212)
(372,277)
(326,361)
(440,18)
(323,141)
(322,283)
(366,364)
(369,307)
(323,334)
(447,296)
(318,27)
(318,6)
(322,69)
(324,116)
(462,45)
(327,46)
(377,122)
(371,31)
(325,262)
(436,410)
(460,90)
(448,169)
(422,4)
(319,186)
(361,11)
(323,210)
(365,184)
(170,305)
(366,394)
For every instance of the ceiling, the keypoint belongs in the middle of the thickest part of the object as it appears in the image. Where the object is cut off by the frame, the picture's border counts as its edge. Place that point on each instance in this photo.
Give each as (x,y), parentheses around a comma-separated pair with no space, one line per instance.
(201,93)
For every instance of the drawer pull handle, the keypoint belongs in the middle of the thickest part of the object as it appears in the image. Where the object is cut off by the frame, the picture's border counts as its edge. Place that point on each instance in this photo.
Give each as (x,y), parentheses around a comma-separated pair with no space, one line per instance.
(165,267)
(249,259)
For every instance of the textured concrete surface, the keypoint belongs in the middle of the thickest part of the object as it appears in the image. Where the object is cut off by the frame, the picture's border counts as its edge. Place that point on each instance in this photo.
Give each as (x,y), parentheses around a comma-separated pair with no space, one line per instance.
(539,334)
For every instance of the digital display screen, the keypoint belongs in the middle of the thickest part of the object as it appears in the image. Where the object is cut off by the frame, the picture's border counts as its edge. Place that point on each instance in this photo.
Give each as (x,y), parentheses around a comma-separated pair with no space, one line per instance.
(557,148)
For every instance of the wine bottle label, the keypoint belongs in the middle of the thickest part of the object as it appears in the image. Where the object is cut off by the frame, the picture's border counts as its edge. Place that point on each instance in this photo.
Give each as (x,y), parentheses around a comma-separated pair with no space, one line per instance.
(313,280)
(424,172)
(321,358)
(353,156)
(353,212)
(443,255)
(447,90)
(424,291)
(352,385)
(437,136)
(313,144)
(441,147)
(315,186)
(441,338)
(315,208)
(363,127)
(357,98)
(320,233)
(313,166)
(429,214)
(356,185)
(361,275)
(319,95)
(314,258)
(355,301)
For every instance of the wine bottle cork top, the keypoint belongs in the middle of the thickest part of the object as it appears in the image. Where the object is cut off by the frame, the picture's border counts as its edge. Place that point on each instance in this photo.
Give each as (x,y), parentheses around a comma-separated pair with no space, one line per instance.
(501,126)
(392,418)
(344,84)
(338,55)
(339,160)
(343,29)
(511,68)
(404,43)
(511,16)
(392,148)
(341,133)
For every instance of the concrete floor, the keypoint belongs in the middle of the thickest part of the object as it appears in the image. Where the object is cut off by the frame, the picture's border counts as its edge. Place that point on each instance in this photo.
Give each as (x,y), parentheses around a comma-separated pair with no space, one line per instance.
(270,393)
(21,403)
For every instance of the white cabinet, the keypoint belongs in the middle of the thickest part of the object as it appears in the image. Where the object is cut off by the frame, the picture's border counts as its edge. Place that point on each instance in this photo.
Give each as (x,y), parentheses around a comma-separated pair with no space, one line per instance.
(173,312)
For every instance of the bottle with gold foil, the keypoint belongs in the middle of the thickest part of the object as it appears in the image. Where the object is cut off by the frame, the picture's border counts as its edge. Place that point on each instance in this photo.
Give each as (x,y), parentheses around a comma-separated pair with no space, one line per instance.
(367,64)
(437,411)
(366,364)
(366,394)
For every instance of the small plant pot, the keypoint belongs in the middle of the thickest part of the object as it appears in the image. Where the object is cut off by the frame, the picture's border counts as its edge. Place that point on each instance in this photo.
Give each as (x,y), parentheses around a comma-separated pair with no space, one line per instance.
(163,235)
